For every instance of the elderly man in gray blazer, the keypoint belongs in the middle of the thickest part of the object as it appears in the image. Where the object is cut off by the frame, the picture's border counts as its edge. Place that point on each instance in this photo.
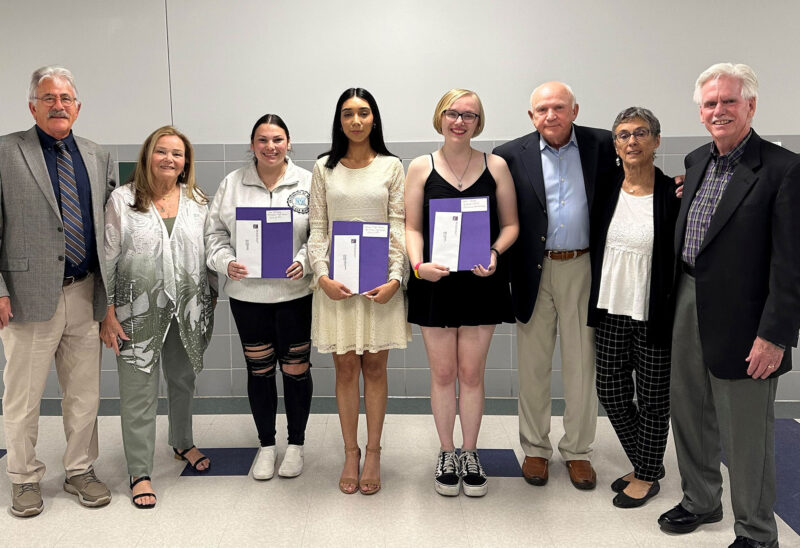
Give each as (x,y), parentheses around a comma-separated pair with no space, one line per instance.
(53,188)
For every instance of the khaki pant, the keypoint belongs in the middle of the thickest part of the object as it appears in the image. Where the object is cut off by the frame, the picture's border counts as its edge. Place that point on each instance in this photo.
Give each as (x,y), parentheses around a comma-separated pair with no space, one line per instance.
(73,338)
(138,401)
(562,302)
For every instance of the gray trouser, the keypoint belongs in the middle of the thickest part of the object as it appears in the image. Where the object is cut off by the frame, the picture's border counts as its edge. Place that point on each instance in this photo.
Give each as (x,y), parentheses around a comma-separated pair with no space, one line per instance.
(138,395)
(737,414)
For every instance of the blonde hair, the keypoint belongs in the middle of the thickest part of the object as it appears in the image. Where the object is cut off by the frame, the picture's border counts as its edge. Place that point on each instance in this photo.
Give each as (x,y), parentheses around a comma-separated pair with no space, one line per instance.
(447,101)
(143,181)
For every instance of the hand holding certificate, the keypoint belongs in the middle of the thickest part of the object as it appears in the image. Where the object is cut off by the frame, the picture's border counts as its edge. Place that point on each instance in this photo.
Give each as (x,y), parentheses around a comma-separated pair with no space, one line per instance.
(459,233)
(264,242)
(360,256)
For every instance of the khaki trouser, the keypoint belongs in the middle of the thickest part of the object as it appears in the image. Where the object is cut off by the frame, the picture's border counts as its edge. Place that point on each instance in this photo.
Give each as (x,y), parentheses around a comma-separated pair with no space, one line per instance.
(562,302)
(73,338)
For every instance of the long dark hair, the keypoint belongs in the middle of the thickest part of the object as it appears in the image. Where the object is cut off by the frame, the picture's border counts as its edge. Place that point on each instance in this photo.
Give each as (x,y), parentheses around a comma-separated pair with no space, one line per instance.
(339,141)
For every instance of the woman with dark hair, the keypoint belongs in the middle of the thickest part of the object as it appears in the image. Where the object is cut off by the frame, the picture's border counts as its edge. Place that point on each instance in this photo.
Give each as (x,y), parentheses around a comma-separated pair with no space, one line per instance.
(458,311)
(630,305)
(358,180)
(273,315)
(161,301)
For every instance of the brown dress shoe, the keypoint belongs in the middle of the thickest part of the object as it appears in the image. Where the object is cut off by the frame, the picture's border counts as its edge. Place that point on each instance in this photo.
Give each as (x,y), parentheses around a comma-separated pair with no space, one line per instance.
(581,474)
(534,470)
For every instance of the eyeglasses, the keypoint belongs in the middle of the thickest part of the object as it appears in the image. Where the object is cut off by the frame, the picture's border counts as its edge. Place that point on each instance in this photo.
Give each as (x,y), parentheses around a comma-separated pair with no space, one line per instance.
(625,136)
(467,117)
(50,100)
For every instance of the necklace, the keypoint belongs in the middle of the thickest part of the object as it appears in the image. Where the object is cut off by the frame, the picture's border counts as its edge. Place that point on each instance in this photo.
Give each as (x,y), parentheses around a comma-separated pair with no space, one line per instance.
(453,172)
(162,203)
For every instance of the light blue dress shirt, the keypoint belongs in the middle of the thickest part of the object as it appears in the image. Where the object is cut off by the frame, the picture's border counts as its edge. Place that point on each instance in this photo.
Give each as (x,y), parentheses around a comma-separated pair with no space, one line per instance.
(567,206)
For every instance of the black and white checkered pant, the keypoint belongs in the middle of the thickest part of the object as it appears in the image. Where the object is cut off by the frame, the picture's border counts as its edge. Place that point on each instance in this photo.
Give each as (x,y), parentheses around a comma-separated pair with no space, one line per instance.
(643,426)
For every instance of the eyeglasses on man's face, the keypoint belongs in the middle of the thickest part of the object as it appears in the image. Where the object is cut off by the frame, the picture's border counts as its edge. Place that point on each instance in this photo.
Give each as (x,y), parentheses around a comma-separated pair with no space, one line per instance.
(50,99)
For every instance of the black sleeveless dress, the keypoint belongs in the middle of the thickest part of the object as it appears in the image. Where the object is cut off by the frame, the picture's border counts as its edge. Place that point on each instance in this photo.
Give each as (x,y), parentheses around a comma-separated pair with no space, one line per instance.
(461,298)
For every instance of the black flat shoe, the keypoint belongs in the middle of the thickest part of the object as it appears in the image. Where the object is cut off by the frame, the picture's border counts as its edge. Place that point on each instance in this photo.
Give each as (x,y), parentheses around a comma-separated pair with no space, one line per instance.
(746,542)
(619,484)
(679,520)
(624,501)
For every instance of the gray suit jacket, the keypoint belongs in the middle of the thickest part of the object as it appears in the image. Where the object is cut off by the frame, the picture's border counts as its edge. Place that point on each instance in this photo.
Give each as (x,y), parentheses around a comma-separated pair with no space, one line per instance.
(31,231)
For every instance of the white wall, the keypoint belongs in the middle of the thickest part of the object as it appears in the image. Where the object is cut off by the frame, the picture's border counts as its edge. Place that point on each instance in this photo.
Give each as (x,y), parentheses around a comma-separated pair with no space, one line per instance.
(229,62)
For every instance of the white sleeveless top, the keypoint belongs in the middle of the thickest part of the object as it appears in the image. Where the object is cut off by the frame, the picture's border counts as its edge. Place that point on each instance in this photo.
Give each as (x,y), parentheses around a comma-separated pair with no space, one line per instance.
(625,282)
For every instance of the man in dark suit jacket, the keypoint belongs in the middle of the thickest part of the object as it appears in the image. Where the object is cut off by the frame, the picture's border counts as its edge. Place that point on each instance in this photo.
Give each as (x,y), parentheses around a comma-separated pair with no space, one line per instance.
(53,188)
(737,315)
(555,171)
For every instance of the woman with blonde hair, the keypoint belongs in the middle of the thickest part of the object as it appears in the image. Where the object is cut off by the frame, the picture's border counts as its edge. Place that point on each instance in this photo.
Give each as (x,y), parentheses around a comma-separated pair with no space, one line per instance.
(458,311)
(161,301)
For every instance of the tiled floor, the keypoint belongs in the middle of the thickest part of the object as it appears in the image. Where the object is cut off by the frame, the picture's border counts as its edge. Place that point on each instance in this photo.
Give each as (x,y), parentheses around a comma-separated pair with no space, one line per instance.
(310,510)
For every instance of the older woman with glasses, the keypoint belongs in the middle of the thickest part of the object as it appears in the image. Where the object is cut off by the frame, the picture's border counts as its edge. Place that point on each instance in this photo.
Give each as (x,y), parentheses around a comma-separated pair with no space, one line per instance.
(631,243)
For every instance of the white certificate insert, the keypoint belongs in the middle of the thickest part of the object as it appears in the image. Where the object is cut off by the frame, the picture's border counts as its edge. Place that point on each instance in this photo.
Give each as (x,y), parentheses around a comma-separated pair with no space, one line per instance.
(345,261)
(248,246)
(446,239)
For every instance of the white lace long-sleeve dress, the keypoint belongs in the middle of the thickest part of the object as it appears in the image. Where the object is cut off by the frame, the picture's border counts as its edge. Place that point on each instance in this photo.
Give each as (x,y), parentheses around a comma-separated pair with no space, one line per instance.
(372,194)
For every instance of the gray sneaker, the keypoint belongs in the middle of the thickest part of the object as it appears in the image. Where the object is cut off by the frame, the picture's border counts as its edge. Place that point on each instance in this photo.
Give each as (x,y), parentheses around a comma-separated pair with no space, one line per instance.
(90,490)
(26,499)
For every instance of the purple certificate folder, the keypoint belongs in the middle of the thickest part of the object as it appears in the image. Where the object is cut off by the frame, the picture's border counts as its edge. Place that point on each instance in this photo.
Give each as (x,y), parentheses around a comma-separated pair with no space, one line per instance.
(370,243)
(273,227)
(474,244)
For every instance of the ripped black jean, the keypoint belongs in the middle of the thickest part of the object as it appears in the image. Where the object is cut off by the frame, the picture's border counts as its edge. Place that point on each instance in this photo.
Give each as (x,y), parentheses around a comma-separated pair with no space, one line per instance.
(277,335)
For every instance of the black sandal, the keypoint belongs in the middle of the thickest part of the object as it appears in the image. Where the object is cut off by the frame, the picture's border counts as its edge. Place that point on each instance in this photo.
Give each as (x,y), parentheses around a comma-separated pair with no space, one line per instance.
(135,498)
(181,455)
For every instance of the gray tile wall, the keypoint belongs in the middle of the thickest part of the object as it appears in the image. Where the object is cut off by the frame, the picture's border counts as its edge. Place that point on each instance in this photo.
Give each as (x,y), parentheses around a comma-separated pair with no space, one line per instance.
(225,374)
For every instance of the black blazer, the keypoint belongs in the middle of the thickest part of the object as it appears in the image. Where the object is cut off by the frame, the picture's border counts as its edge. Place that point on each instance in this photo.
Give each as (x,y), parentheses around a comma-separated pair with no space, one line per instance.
(748,267)
(665,213)
(524,159)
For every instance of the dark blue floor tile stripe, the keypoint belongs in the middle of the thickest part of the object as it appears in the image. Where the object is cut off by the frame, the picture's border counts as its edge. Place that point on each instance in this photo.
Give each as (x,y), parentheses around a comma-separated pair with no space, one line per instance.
(2,453)
(500,463)
(787,457)
(225,461)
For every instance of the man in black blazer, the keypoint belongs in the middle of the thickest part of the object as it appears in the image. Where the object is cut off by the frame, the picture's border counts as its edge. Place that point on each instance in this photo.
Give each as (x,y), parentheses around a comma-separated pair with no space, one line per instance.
(737,241)
(555,171)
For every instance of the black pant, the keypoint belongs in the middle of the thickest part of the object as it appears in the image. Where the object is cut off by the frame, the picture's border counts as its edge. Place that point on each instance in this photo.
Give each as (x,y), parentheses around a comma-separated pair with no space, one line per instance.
(641,427)
(272,334)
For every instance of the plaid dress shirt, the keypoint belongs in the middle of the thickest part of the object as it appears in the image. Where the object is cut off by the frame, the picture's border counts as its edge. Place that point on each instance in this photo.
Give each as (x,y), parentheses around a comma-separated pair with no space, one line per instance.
(718,174)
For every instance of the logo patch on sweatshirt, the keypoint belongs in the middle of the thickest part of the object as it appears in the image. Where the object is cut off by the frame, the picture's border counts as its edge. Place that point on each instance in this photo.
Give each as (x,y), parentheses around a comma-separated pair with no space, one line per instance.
(298,201)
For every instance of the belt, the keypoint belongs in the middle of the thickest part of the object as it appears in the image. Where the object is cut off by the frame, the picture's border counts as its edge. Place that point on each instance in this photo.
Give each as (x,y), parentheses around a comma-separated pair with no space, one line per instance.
(688,269)
(69,280)
(564,255)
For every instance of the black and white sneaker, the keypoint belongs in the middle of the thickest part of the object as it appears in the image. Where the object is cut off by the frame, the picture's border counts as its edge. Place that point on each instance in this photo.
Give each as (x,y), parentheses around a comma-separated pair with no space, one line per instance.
(447,479)
(472,475)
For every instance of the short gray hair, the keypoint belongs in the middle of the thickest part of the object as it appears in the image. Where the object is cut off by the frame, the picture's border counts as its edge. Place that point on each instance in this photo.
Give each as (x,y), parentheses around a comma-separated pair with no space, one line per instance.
(50,72)
(632,113)
(741,72)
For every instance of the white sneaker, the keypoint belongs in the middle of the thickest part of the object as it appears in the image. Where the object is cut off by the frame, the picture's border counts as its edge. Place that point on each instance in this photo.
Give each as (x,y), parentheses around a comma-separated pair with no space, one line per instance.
(264,465)
(292,465)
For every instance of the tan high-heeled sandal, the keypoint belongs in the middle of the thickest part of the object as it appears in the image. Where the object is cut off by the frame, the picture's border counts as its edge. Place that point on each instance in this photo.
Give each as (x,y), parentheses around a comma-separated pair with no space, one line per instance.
(350,481)
(365,482)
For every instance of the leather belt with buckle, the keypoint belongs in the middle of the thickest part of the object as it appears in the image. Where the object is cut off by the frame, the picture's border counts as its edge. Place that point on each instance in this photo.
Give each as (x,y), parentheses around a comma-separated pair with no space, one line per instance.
(564,255)
(69,280)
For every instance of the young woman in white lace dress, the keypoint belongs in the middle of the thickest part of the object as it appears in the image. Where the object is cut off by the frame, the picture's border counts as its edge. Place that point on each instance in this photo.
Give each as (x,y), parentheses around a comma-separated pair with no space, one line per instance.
(358,180)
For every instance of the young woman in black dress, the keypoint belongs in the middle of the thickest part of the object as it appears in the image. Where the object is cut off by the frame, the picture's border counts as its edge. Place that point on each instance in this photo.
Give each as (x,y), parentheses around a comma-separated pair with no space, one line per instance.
(458,311)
